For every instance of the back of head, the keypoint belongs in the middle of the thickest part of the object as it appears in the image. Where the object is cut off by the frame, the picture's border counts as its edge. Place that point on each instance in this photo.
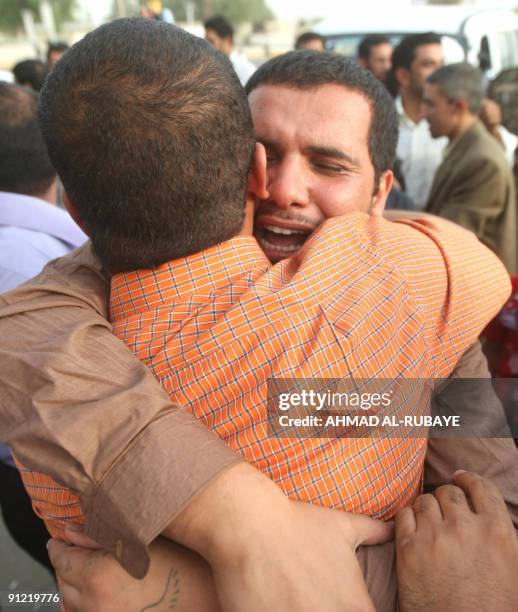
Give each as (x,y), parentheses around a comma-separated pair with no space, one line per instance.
(219,25)
(308,40)
(150,132)
(31,73)
(310,69)
(25,167)
(460,81)
(369,41)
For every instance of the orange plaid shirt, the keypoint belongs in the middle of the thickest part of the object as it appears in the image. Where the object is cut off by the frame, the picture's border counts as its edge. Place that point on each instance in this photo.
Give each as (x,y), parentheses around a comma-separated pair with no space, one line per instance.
(364,298)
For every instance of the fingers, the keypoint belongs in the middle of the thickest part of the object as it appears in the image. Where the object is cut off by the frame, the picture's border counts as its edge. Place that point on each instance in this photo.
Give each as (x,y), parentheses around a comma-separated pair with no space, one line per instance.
(70,562)
(452,501)
(427,511)
(405,523)
(56,549)
(366,530)
(484,495)
(77,537)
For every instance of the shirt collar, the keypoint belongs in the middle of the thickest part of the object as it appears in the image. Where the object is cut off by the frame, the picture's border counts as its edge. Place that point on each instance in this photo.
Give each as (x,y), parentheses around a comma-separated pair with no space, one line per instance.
(403,117)
(28,212)
(201,274)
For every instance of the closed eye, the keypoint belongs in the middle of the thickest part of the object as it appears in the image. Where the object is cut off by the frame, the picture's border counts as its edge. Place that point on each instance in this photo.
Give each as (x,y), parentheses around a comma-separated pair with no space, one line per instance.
(328,167)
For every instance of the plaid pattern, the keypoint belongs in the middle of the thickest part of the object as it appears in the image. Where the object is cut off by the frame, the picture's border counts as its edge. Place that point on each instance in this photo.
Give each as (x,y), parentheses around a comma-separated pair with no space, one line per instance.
(364,298)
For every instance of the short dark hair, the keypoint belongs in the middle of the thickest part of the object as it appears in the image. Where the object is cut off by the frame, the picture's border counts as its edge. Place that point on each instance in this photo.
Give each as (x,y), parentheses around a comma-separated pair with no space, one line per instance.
(58,46)
(458,81)
(31,72)
(307,37)
(369,41)
(308,69)
(25,167)
(404,53)
(220,25)
(150,132)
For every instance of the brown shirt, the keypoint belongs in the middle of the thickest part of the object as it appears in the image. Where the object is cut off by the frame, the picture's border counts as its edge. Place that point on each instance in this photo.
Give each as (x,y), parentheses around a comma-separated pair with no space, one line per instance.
(76,404)
(104,428)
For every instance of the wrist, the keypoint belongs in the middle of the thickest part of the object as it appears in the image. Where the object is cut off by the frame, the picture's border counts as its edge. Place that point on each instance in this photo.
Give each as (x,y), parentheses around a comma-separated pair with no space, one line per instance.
(231,513)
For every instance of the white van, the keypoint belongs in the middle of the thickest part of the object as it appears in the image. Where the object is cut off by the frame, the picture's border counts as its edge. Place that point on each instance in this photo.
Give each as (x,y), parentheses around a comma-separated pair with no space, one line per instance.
(488,39)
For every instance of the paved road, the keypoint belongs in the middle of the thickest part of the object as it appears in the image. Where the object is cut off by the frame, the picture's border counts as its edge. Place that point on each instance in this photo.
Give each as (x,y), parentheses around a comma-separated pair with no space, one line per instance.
(20,574)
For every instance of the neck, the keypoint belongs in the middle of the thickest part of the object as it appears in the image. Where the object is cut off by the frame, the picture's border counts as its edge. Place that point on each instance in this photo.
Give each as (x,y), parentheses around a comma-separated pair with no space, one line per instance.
(412,105)
(465,123)
(248,223)
(51,194)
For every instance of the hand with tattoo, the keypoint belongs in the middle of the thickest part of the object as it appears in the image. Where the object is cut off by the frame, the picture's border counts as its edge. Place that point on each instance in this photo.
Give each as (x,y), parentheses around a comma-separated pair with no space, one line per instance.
(91,580)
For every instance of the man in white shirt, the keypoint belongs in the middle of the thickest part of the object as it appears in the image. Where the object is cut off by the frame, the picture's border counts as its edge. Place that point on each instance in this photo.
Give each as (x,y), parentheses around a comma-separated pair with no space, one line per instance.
(413,61)
(220,34)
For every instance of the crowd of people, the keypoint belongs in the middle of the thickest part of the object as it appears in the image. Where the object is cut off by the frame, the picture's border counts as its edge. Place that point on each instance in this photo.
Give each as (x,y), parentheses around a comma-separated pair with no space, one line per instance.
(309,225)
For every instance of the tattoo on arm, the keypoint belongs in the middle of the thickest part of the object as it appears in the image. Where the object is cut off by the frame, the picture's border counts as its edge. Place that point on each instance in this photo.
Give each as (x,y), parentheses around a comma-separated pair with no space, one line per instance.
(171,593)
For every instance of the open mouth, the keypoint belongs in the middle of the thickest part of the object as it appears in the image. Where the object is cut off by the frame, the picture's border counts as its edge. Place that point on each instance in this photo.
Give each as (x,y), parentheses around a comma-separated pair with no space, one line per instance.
(280,242)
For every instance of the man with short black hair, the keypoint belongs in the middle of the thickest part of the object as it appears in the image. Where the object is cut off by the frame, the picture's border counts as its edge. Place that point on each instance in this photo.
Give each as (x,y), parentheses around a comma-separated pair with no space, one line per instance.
(31,73)
(375,54)
(413,60)
(310,40)
(474,185)
(220,34)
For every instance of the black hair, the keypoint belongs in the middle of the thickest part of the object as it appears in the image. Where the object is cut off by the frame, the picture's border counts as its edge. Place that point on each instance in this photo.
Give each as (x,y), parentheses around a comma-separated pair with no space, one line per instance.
(307,37)
(31,73)
(25,167)
(307,69)
(150,132)
(369,41)
(404,53)
(220,25)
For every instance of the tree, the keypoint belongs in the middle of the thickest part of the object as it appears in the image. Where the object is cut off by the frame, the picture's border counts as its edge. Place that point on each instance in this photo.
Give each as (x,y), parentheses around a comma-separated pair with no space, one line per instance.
(236,11)
(11,18)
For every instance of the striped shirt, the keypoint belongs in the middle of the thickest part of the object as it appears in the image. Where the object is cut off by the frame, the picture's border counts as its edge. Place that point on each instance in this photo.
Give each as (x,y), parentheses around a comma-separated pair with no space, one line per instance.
(363,298)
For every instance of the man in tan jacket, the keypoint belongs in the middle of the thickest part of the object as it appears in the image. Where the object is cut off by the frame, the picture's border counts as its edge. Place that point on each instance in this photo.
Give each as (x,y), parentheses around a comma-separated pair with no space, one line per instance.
(474,185)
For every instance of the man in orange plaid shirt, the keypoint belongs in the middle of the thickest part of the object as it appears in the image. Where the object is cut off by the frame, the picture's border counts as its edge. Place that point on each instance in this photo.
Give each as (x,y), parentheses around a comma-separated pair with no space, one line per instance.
(215,321)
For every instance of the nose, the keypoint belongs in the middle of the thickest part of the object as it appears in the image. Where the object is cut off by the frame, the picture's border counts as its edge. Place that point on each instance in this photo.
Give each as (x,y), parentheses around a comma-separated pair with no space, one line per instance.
(288,184)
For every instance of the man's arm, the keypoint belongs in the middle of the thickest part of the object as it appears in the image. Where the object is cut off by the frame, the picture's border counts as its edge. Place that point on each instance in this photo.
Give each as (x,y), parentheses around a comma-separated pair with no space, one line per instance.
(77,405)
(479,196)
(475,401)
(92,580)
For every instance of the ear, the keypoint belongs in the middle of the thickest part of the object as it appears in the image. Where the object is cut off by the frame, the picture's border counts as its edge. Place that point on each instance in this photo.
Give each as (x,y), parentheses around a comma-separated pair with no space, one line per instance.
(380,197)
(71,209)
(362,62)
(257,175)
(461,105)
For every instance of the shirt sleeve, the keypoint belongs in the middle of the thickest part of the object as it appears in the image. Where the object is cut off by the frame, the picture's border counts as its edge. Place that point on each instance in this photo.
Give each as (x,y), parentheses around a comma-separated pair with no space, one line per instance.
(459,284)
(77,405)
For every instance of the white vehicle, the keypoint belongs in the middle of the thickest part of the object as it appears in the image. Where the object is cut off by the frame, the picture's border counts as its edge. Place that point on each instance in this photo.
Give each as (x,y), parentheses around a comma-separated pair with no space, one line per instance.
(488,39)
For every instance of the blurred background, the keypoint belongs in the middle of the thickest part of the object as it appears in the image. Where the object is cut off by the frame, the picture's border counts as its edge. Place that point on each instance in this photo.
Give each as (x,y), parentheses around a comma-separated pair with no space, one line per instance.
(262,27)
